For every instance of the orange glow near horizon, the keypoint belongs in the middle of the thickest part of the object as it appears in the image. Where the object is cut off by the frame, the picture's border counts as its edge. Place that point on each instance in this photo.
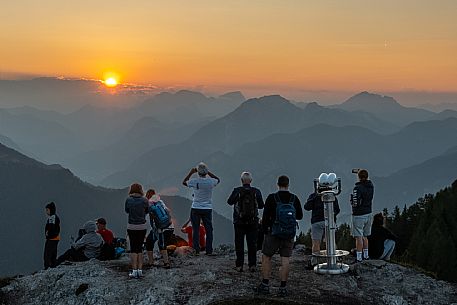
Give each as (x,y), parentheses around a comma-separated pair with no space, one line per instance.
(270,45)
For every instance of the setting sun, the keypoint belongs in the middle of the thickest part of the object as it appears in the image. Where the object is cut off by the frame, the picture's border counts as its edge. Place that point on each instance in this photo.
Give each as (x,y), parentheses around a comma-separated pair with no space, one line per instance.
(110,82)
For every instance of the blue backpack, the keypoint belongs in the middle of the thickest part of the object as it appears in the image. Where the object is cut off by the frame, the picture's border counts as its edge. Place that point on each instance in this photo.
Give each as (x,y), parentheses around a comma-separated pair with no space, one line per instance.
(285,225)
(161,217)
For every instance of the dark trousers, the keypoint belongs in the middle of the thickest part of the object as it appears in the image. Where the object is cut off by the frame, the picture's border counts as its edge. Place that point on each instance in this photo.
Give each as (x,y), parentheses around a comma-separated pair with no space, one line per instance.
(250,231)
(72,255)
(50,253)
(206,215)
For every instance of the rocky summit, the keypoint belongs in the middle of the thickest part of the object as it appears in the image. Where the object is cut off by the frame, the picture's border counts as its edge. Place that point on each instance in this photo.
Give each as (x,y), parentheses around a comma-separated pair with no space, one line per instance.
(212,280)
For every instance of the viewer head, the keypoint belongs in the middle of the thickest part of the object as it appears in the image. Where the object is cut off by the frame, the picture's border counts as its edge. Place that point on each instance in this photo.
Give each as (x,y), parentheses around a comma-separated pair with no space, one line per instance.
(150,193)
(378,220)
(136,188)
(283,181)
(101,223)
(363,175)
(51,208)
(202,169)
(246,178)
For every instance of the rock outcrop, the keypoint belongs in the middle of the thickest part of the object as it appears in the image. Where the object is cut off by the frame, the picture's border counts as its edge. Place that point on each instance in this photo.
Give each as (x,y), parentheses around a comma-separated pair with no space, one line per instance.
(211,280)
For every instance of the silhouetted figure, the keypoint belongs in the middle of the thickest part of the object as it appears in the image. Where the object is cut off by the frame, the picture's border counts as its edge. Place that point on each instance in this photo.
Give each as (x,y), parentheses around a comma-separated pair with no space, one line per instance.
(381,241)
(361,201)
(279,221)
(246,201)
(52,234)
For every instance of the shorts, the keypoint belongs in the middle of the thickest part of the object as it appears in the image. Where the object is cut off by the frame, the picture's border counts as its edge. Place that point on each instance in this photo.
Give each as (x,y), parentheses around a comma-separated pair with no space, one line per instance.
(164,239)
(272,244)
(136,238)
(318,230)
(361,225)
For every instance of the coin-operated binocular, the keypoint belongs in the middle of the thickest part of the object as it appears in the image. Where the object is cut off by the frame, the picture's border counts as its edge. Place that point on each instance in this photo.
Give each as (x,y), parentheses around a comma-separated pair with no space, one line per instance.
(328,186)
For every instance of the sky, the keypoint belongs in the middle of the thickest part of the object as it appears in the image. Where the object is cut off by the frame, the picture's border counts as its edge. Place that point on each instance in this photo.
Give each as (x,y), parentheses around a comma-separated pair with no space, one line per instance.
(264,46)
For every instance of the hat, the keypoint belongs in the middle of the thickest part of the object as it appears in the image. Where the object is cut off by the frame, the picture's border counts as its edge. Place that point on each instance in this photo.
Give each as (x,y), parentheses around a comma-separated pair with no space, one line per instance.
(101,221)
(202,169)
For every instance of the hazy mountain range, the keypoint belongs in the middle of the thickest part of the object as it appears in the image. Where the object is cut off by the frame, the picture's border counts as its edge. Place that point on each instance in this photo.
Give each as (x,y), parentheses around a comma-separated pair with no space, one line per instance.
(155,140)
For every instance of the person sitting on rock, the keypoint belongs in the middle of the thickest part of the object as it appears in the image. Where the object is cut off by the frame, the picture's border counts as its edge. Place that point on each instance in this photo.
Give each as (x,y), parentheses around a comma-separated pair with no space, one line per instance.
(316,206)
(280,231)
(107,252)
(246,201)
(87,247)
(187,229)
(381,241)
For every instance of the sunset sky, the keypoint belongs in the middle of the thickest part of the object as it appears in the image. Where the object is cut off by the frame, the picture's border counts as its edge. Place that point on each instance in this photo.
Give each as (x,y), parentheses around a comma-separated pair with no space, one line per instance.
(221,45)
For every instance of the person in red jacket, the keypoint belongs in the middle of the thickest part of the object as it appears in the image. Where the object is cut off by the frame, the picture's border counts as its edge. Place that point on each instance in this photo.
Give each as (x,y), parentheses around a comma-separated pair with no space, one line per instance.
(107,234)
(186,228)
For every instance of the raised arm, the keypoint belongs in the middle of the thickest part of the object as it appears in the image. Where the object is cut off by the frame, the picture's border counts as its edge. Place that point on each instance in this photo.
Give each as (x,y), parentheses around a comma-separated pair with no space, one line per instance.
(214,177)
(191,172)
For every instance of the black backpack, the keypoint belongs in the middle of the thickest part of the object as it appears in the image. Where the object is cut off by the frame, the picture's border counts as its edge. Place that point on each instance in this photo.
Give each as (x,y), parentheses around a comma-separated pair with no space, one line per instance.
(285,224)
(247,206)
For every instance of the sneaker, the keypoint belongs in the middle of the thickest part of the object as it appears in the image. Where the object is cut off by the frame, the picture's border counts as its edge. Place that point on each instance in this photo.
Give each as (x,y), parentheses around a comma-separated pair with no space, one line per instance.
(133,274)
(262,289)
(282,293)
(197,253)
(366,258)
(252,269)
(140,273)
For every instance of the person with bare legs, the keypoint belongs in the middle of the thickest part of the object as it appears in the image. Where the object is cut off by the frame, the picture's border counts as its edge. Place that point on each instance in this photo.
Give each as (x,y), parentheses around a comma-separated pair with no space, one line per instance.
(362,201)
(137,207)
(316,206)
(279,222)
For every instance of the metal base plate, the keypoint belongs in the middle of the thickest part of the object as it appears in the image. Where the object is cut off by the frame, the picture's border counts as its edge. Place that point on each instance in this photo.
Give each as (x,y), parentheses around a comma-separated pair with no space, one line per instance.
(339,268)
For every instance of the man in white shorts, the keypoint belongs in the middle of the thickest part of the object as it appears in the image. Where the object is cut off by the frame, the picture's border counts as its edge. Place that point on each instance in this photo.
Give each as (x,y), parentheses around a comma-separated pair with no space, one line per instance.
(361,201)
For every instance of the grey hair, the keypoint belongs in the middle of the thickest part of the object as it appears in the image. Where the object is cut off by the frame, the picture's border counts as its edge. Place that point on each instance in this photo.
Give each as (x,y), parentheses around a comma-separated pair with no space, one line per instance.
(246,177)
(202,169)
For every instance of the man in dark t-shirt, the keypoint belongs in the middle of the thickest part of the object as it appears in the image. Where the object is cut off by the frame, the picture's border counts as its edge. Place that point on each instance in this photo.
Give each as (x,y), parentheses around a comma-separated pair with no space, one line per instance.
(274,243)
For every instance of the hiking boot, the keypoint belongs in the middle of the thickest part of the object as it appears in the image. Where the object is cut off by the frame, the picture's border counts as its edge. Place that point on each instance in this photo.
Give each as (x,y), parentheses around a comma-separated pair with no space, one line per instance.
(262,289)
(252,269)
(282,293)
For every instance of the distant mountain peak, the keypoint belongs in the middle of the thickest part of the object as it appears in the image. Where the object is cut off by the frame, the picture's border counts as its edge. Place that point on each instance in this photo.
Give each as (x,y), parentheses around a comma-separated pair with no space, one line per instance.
(235,95)
(366,97)
(190,94)
(313,106)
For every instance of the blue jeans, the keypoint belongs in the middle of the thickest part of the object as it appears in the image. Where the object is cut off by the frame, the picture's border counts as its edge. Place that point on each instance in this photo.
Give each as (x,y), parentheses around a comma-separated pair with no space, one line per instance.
(389,246)
(206,215)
